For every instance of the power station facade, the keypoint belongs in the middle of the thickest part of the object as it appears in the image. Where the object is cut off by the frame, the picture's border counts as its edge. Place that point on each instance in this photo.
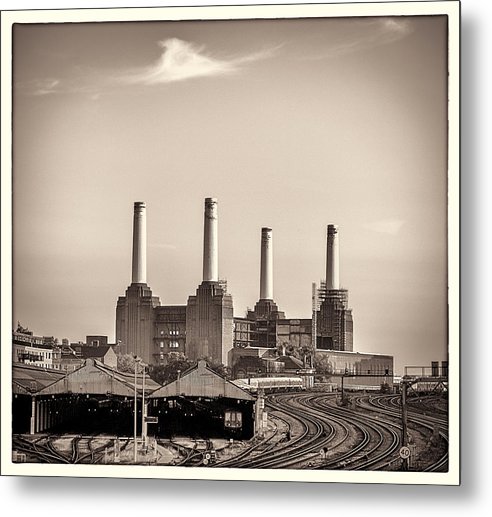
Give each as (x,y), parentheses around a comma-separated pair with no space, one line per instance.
(206,327)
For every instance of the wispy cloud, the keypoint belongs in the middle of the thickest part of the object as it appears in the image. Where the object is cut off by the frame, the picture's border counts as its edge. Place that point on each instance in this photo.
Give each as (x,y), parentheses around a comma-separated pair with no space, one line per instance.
(181,60)
(46,87)
(388,226)
(369,34)
(43,86)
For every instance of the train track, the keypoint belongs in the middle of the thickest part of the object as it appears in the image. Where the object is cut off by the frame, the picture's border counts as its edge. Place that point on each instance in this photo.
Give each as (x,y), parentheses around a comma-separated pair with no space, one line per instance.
(313,432)
(261,447)
(44,450)
(198,455)
(308,432)
(366,437)
(421,420)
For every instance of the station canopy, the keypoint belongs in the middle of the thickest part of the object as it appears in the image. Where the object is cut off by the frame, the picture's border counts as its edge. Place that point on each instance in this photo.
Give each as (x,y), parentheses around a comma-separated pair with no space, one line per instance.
(201,381)
(28,379)
(95,378)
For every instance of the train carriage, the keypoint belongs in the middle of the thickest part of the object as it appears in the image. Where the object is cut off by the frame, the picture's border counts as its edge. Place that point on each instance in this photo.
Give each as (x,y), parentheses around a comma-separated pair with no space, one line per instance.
(270,384)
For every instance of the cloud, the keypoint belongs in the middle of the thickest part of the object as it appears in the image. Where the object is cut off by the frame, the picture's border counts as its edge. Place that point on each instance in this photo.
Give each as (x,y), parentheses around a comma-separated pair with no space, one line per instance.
(181,60)
(388,226)
(49,86)
(370,34)
(43,86)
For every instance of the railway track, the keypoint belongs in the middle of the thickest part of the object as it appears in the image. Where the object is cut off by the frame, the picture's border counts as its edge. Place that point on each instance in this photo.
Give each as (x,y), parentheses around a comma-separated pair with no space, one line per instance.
(420,419)
(313,432)
(45,453)
(44,450)
(308,433)
(261,447)
(198,455)
(366,437)
(382,440)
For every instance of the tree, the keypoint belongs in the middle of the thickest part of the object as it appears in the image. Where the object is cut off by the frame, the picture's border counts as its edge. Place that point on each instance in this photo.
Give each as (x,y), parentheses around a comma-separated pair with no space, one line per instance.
(322,364)
(166,373)
(294,349)
(126,363)
(218,367)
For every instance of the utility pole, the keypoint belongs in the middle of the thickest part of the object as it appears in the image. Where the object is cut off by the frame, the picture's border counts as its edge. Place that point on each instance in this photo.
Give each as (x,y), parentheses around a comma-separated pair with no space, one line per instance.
(404,423)
(314,323)
(144,430)
(343,392)
(32,426)
(259,408)
(314,329)
(135,411)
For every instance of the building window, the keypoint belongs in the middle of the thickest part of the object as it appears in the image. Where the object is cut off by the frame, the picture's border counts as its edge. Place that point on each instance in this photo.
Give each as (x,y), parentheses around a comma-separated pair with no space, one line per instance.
(173,344)
(161,344)
(162,332)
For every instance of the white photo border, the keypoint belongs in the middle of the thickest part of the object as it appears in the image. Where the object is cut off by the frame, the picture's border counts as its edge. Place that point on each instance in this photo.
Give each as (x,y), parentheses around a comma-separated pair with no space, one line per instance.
(451,9)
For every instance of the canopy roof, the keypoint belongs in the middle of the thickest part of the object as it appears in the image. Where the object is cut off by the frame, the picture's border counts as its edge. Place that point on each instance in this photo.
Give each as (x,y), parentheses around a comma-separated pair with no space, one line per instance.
(27,379)
(96,378)
(201,381)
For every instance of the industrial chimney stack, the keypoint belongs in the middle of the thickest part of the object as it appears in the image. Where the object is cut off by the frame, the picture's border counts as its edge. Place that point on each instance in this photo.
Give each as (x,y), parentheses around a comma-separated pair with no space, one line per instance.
(266,308)
(139,258)
(135,311)
(332,259)
(210,313)
(210,242)
(266,272)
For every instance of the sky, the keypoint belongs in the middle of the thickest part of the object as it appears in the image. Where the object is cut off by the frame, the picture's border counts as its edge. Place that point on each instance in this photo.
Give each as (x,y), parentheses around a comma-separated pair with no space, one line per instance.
(292,124)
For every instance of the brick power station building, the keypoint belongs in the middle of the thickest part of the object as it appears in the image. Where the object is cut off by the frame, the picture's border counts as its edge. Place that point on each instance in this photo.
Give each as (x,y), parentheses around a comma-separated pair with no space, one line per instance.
(206,327)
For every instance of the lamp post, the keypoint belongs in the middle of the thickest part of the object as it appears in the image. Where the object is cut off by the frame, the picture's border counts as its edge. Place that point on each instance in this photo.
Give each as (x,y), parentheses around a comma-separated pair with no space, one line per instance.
(404,418)
(144,412)
(137,360)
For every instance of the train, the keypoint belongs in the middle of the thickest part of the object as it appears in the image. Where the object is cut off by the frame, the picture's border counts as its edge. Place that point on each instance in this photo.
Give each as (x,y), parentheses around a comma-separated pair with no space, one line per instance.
(380,388)
(233,423)
(270,384)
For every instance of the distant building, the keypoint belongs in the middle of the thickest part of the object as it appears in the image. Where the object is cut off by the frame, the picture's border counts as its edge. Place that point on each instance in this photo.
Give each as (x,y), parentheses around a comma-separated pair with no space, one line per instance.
(104,353)
(96,340)
(65,358)
(30,349)
(96,347)
(47,352)
(202,329)
(206,328)
(40,355)
(170,332)
(358,369)
(25,336)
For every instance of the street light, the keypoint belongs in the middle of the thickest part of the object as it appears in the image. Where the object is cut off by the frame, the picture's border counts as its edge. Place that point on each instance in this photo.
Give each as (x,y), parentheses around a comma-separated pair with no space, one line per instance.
(137,360)
(144,412)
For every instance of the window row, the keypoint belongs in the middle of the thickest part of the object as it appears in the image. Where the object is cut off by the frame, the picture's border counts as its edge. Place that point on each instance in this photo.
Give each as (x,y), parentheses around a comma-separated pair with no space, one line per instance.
(173,332)
(172,344)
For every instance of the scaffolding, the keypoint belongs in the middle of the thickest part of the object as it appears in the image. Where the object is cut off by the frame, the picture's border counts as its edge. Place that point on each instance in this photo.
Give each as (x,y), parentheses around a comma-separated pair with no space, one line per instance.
(333,318)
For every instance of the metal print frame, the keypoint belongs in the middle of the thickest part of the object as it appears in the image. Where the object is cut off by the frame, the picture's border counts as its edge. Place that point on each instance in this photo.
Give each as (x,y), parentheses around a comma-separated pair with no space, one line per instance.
(336,126)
